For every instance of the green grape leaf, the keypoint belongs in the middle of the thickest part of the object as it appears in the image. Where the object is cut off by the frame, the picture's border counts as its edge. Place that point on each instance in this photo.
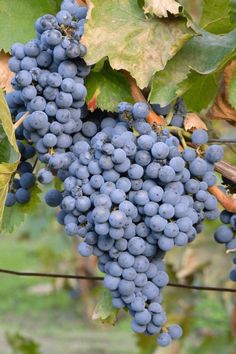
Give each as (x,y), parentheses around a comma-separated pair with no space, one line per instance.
(204,54)
(106,88)
(120,31)
(15,215)
(216,16)
(104,311)
(17,19)
(192,90)
(160,8)
(58,184)
(232,90)
(192,9)
(233,11)
(146,344)
(9,154)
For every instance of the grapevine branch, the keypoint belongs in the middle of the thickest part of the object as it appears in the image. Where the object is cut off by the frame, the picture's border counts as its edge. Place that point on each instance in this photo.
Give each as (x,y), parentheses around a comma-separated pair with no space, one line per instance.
(227,170)
(228,202)
(224,168)
(138,96)
(222,141)
(70,276)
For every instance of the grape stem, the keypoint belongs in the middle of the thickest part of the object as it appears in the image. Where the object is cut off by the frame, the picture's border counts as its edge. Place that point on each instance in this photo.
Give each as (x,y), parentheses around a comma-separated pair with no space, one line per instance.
(182,140)
(233,250)
(20,121)
(138,96)
(35,163)
(226,201)
(180,131)
(71,276)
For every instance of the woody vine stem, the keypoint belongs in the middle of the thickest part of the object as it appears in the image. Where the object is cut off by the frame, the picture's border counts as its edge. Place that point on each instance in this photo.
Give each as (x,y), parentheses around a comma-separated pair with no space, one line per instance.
(94,278)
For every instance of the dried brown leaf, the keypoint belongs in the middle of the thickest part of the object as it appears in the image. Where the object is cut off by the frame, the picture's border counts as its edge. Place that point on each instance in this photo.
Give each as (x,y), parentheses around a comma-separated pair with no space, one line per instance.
(81,2)
(193,121)
(228,72)
(5,74)
(221,108)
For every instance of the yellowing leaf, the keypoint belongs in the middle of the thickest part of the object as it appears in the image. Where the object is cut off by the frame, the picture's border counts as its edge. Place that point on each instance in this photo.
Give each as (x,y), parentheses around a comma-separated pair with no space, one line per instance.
(5,74)
(225,103)
(15,215)
(92,103)
(160,8)
(104,311)
(120,31)
(7,142)
(193,121)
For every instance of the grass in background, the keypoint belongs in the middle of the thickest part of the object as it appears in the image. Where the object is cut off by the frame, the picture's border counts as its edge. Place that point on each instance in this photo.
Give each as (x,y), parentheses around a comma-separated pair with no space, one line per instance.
(55,320)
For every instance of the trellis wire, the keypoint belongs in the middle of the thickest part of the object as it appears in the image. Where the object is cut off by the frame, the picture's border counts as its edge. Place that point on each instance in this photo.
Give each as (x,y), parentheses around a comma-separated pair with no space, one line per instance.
(97,278)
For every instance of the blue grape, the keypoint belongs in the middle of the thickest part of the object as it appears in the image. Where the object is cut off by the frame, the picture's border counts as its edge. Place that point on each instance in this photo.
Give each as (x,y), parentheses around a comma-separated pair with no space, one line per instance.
(27,180)
(53,198)
(199,137)
(160,150)
(22,196)
(175,331)
(10,200)
(140,110)
(164,339)
(223,234)
(214,153)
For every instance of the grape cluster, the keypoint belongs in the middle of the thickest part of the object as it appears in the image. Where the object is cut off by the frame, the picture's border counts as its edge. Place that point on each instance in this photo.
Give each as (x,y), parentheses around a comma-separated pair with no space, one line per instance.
(111,200)
(24,179)
(179,113)
(49,85)
(225,234)
(132,198)
(128,190)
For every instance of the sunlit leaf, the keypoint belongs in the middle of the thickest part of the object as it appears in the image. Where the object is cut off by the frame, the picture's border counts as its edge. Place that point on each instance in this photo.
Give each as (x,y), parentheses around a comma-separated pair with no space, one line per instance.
(160,8)
(204,54)
(104,311)
(15,215)
(120,31)
(9,155)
